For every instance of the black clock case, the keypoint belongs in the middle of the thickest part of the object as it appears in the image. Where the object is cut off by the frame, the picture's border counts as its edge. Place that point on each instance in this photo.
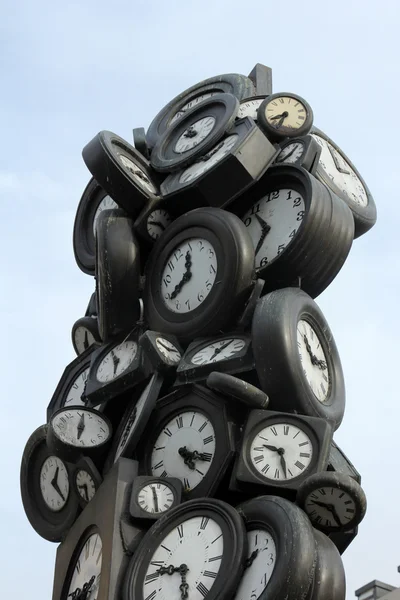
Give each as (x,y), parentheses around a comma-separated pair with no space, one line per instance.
(106,514)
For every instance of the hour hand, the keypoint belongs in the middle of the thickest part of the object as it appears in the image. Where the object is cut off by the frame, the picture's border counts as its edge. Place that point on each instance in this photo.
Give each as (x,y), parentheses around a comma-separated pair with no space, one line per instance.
(273,448)
(81,426)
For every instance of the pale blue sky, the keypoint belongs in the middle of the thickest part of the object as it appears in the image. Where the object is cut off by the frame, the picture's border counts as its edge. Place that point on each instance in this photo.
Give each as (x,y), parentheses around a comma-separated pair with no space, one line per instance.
(71,70)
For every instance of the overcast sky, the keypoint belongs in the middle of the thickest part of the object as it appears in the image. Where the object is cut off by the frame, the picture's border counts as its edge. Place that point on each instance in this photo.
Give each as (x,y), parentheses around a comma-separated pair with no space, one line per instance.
(70,70)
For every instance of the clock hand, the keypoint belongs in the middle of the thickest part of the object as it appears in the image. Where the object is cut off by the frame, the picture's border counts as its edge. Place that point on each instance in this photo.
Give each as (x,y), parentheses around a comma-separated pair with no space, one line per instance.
(81,426)
(116,361)
(86,340)
(184,587)
(157,223)
(170,570)
(273,448)
(219,350)
(330,508)
(337,163)
(54,483)
(190,132)
(169,348)
(265,228)
(249,561)
(156,507)
(284,115)
(283,462)
(85,488)
(314,360)
(186,276)
(286,155)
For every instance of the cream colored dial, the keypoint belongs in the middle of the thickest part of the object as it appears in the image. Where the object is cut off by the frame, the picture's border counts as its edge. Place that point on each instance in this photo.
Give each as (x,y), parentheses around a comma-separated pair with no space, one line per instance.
(286,112)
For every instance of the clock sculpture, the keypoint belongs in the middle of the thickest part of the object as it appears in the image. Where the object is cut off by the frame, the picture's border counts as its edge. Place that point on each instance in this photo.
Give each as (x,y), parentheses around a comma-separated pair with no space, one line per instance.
(188,448)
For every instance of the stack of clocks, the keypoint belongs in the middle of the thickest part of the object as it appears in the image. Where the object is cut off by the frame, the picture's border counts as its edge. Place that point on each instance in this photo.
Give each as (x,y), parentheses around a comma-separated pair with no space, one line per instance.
(188,451)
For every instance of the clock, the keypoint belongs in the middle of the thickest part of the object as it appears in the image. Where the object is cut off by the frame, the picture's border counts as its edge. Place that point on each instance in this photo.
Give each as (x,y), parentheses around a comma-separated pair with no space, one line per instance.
(232,83)
(199,274)
(339,463)
(332,501)
(115,368)
(85,333)
(189,437)
(71,387)
(281,550)
(198,546)
(298,228)
(196,132)
(139,141)
(94,200)
(224,172)
(122,171)
(280,450)
(329,576)
(261,76)
(153,221)
(134,420)
(228,353)
(248,107)
(86,480)
(163,351)
(117,274)
(303,152)
(151,497)
(337,172)
(233,387)
(46,489)
(296,357)
(84,579)
(77,431)
(285,115)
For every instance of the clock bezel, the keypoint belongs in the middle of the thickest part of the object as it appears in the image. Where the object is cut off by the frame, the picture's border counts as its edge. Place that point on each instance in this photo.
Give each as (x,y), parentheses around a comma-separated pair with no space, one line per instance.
(140,482)
(278,135)
(89,323)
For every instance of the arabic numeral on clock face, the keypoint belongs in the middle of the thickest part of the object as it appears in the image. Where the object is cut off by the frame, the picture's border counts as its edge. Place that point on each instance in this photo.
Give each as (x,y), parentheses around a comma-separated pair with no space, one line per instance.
(300,215)
(264,262)
(167,280)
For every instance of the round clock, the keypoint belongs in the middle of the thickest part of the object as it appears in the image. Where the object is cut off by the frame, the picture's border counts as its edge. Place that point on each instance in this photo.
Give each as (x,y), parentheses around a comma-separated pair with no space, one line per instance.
(199,274)
(298,228)
(332,501)
(329,576)
(169,351)
(284,115)
(75,431)
(195,133)
(198,546)
(93,201)
(86,480)
(46,489)
(151,497)
(296,357)
(85,333)
(116,361)
(248,107)
(337,172)
(280,556)
(83,580)
(232,83)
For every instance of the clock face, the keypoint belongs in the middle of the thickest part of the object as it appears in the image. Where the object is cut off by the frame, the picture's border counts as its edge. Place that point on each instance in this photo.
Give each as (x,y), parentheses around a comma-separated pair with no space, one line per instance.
(249,108)
(168,350)
(83,338)
(155,497)
(197,543)
(117,361)
(285,112)
(189,275)
(330,507)
(132,420)
(184,448)
(85,485)
(220,350)
(191,104)
(195,134)
(80,427)
(340,173)
(76,390)
(54,483)
(281,451)
(291,153)
(208,160)
(313,360)
(273,222)
(138,174)
(106,204)
(87,570)
(157,222)
(262,556)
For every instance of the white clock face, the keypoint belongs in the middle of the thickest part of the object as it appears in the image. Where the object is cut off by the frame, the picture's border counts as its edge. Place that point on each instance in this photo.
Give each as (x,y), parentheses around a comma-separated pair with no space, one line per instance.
(191,104)
(83,339)
(184,449)
(76,390)
(157,222)
(330,507)
(220,350)
(189,275)
(281,451)
(168,350)
(117,361)
(155,497)
(249,108)
(255,578)
(138,174)
(286,112)
(80,427)
(85,485)
(195,134)
(313,360)
(208,160)
(338,171)
(291,153)
(54,483)
(273,222)
(106,204)
(87,570)
(197,543)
